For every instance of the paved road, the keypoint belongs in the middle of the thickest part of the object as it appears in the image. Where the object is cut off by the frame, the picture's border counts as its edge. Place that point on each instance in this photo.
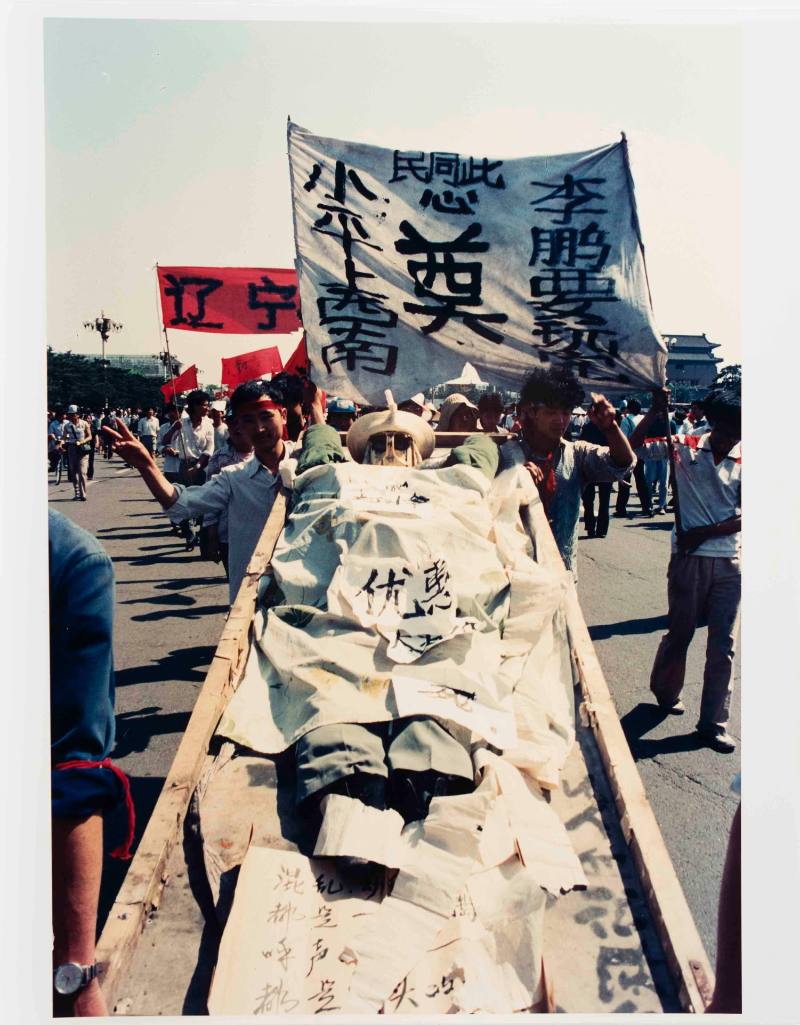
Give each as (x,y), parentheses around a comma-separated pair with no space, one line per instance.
(622,587)
(171,607)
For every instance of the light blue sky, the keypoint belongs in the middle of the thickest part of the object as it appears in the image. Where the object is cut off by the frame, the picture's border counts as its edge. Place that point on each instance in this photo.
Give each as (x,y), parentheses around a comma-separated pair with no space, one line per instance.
(166,141)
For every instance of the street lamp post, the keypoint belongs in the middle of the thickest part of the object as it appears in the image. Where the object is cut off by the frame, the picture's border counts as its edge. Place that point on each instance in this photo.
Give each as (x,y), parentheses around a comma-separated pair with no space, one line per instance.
(103,325)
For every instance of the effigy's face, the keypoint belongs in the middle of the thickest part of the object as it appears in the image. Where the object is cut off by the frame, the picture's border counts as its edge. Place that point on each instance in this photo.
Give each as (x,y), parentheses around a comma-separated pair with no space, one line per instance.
(391,448)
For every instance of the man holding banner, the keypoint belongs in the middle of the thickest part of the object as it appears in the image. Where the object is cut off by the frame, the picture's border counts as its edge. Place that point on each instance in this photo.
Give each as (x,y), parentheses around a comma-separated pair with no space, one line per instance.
(561,469)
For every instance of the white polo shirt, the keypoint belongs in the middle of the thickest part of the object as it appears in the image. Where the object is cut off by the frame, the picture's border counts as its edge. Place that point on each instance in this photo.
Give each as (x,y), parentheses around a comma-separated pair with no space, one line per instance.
(707,492)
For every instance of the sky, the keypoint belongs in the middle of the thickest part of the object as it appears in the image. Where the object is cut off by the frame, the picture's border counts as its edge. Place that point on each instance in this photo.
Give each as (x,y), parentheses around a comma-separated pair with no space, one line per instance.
(166,141)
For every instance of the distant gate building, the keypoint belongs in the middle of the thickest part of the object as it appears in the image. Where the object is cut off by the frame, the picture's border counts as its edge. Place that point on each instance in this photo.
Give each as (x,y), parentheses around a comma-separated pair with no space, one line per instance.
(691,360)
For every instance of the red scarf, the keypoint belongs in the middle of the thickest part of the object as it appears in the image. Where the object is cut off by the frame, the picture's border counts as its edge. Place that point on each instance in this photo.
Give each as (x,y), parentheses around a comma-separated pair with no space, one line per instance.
(547,486)
(123,852)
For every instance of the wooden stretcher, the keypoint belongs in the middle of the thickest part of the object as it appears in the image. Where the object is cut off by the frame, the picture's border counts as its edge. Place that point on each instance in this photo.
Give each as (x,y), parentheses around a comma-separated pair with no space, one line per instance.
(160,847)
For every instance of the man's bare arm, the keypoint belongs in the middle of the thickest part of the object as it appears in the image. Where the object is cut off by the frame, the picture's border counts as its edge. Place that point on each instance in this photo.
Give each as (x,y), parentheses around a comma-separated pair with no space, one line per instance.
(77,868)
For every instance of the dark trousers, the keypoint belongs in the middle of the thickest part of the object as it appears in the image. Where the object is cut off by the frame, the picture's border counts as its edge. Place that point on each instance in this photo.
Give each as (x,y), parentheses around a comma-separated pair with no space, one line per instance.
(700,588)
(90,474)
(642,490)
(596,526)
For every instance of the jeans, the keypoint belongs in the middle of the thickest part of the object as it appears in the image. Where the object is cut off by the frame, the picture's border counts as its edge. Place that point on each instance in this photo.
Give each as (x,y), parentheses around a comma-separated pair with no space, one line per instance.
(707,588)
(655,471)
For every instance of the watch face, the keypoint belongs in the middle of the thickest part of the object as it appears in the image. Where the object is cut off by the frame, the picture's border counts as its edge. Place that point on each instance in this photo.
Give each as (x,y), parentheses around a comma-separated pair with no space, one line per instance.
(68,979)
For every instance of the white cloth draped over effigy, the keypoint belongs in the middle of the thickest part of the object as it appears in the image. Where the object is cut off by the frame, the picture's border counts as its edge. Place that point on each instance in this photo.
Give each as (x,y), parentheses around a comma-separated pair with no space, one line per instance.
(397,593)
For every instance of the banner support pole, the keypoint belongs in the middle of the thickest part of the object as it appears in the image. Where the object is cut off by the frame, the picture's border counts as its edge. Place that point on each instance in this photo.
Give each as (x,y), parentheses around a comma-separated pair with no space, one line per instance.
(163,326)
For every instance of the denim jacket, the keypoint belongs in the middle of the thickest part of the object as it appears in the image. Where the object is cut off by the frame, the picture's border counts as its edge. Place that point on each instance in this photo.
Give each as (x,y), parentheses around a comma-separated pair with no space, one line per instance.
(81,670)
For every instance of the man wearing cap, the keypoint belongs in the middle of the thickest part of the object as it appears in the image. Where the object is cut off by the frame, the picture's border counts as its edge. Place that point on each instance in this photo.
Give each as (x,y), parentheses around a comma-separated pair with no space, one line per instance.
(246,490)
(418,406)
(704,576)
(77,435)
(561,469)
(341,413)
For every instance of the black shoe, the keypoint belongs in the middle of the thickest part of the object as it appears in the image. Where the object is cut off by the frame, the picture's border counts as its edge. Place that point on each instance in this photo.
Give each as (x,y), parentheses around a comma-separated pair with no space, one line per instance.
(601,533)
(367,787)
(718,740)
(412,792)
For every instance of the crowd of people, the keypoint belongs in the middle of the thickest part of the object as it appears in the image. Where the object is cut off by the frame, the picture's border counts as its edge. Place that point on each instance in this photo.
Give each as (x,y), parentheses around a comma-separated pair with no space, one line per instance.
(221,470)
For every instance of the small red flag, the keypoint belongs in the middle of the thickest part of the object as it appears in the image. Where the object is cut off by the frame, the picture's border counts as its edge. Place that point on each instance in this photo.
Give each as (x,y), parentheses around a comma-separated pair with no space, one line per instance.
(299,358)
(187,381)
(250,366)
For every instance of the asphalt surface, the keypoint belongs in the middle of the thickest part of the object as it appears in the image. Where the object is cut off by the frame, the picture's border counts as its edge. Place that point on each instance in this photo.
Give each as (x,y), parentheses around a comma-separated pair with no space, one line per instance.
(622,586)
(171,606)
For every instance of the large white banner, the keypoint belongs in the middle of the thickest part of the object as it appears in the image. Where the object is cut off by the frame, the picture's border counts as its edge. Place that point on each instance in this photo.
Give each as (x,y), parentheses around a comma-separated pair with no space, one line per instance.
(412,263)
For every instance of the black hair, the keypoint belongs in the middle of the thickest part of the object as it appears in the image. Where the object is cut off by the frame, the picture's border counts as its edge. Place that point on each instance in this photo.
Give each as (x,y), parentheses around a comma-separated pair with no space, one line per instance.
(724,404)
(556,388)
(291,387)
(634,406)
(490,400)
(252,391)
(169,406)
(196,398)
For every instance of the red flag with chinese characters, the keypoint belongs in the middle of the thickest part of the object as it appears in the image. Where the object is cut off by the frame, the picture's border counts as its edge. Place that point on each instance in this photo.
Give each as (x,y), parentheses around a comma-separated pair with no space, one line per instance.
(230,300)
(298,361)
(250,366)
(187,381)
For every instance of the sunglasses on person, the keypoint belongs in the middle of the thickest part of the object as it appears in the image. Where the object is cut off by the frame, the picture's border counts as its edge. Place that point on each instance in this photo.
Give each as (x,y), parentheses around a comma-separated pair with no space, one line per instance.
(402,442)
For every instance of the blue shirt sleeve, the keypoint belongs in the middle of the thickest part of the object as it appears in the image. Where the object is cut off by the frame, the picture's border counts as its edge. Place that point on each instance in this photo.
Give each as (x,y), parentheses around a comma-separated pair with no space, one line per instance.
(81,670)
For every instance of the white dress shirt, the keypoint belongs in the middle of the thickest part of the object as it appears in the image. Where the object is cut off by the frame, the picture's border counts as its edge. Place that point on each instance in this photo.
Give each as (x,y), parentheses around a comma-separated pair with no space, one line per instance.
(247,491)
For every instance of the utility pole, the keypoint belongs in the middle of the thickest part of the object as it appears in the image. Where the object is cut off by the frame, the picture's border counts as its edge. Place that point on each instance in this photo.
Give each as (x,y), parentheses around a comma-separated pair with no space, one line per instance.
(103,325)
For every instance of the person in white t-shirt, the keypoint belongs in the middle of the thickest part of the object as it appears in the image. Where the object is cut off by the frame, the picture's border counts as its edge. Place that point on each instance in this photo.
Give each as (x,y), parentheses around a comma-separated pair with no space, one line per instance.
(147,430)
(704,576)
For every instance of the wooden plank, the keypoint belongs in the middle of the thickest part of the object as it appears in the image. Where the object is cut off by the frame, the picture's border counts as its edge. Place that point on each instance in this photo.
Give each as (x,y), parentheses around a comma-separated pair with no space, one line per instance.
(145,878)
(672,916)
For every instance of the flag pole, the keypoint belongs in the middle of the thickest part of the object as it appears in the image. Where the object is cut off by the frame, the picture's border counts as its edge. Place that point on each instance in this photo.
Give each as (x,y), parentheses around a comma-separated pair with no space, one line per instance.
(163,327)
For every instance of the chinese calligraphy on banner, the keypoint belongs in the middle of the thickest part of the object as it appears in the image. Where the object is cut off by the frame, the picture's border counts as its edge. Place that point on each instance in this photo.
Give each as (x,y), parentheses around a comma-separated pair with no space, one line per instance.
(229,300)
(412,263)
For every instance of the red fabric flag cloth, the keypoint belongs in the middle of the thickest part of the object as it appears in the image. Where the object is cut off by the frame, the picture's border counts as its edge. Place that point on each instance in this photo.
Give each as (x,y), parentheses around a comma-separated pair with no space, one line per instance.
(230,300)
(187,381)
(250,366)
(299,358)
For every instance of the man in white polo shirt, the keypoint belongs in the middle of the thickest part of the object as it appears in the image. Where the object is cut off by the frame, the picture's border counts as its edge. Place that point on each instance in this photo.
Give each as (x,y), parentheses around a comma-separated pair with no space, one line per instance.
(704,576)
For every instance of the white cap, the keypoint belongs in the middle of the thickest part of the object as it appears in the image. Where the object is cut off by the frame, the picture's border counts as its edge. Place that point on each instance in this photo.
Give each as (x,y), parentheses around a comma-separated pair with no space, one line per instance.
(72,409)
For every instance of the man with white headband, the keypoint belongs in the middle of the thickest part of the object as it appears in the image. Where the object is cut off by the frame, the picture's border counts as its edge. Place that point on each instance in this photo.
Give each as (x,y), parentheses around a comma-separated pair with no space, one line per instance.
(246,490)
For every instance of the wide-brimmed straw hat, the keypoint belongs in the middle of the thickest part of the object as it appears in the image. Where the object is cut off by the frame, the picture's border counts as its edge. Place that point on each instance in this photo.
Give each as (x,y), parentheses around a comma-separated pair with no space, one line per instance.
(449,406)
(392,419)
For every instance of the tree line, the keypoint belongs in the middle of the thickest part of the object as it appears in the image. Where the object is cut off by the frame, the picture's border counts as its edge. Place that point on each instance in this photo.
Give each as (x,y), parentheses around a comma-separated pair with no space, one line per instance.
(72,378)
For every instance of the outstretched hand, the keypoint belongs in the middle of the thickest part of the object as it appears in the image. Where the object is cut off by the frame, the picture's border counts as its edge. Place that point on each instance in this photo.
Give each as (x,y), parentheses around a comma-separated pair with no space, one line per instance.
(126,445)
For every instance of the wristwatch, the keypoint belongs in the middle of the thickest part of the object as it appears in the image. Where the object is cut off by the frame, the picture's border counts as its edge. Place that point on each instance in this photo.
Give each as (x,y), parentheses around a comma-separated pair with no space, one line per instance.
(70,978)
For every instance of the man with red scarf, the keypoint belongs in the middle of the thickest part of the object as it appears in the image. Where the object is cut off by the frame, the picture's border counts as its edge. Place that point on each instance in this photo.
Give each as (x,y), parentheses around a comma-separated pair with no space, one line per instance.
(247,490)
(561,469)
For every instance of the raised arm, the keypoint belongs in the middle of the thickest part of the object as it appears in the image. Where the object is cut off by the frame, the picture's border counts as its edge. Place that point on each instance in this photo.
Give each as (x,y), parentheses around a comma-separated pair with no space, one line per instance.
(659,407)
(134,452)
(602,415)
